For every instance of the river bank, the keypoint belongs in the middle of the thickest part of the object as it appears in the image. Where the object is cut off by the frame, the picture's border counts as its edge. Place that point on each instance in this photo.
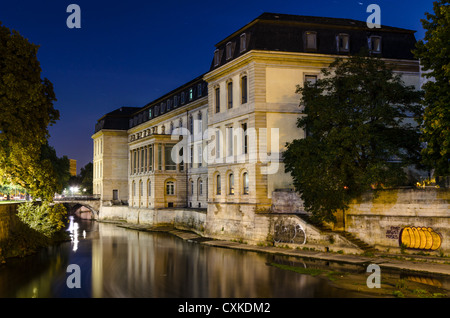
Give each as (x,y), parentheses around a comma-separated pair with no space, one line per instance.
(403,275)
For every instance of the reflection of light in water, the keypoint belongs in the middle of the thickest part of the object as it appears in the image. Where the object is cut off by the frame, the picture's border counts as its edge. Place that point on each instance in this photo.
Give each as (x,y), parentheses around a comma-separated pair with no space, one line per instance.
(84,234)
(73,229)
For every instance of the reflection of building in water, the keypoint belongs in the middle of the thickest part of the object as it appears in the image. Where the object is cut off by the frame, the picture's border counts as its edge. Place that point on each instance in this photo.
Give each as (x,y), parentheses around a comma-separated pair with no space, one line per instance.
(129,263)
(248,93)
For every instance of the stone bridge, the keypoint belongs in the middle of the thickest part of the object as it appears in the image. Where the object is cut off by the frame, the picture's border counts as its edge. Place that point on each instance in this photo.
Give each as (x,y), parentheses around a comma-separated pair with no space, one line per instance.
(86,207)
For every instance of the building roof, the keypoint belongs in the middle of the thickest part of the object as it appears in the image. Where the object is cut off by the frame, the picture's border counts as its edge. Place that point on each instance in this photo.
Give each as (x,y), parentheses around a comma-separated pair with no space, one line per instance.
(286,33)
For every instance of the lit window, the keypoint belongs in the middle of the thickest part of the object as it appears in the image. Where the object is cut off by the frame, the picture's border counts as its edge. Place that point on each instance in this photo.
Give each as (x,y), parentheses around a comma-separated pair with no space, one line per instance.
(231,183)
(375,44)
(311,40)
(245,182)
(191,94)
(243,43)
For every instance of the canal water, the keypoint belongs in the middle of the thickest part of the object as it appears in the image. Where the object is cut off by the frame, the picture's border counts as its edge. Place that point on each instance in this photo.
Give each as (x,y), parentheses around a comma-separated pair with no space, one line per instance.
(117,262)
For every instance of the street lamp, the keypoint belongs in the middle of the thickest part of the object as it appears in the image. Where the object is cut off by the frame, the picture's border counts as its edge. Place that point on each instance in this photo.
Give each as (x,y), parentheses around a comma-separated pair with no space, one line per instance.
(73,189)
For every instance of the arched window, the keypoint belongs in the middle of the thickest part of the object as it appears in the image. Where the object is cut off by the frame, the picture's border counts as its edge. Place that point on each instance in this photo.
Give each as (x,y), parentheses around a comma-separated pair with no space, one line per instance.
(245,182)
(141,186)
(133,188)
(170,188)
(231,183)
(191,187)
(218,185)
(149,187)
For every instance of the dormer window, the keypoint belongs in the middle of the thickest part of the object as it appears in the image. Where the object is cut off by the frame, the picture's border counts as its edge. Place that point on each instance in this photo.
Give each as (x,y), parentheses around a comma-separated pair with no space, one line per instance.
(343,42)
(182,98)
(216,58)
(311,40)
(191,94)
(375,44)
(243,42)
(229,50)
(199,90)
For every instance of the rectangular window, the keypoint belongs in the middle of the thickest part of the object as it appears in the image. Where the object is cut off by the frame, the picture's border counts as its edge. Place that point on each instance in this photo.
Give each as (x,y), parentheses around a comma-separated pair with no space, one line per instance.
(191,156)
(218,185)
(217,91)
(244,89)
(191,93)
(169,163)
(115,195)
(217,143)
(142,159)
(243,42)
(170,188)
(230,95)
(199,155)
(311,79)
(182,98)
(199,90)
(150,159)
(134,162)
(159,157)
(311,40)
(230,141)
(175,101)
(375,44)
(245,138)
(145,160)
(343,42)
(216,58)
(228,50)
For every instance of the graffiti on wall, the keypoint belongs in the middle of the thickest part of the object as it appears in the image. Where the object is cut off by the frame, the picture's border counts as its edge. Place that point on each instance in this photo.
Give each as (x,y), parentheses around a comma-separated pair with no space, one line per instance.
(289,232)
(424,238)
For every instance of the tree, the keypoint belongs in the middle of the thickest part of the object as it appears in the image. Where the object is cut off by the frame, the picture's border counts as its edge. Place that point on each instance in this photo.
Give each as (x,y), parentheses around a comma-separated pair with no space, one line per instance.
(27,110)
(434,55)
(358,136)
(87,177)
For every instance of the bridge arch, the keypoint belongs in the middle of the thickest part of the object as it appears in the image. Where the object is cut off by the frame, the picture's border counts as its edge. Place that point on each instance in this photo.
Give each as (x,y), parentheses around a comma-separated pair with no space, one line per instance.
(86,208)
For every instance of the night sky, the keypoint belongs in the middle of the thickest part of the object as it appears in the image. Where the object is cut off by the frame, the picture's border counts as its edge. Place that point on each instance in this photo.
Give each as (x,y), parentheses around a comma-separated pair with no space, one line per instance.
(128,53)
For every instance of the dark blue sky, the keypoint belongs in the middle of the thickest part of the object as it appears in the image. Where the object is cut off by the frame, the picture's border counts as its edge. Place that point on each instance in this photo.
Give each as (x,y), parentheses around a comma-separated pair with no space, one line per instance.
(128,53)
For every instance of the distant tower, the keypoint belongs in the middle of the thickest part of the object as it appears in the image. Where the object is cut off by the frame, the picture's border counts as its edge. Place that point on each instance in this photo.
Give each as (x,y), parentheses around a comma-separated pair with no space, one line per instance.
(73,167)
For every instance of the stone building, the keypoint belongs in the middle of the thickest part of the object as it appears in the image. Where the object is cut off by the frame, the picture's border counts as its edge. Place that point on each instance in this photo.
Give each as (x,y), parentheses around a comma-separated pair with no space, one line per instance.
(215,142)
